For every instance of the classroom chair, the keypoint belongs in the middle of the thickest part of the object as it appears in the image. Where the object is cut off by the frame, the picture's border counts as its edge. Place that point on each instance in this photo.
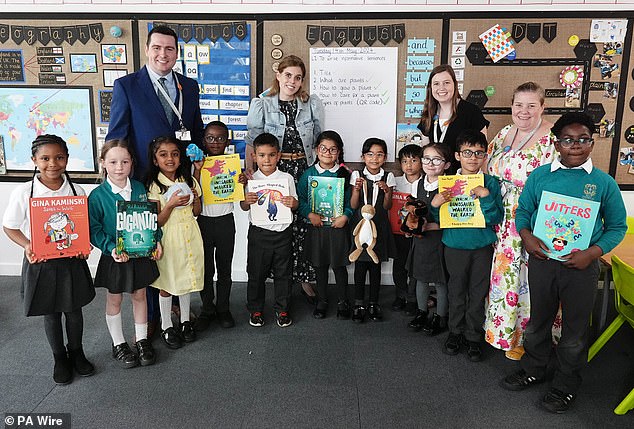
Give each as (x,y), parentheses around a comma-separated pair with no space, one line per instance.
(623,299)
(630,225)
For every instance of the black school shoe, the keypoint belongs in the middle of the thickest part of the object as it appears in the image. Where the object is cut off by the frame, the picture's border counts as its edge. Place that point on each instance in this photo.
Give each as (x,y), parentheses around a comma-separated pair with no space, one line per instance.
(172,338)
(63,369)
(82,365)
(452,344)
(417,323)
(435,325)
(398,304)
(343,310)
(124,355)
(374,312)
(474,353)
(147,356)
(320,309)
(557,401)
(358,314)
(226,319)
(519,380)
(203,321)
(187,332)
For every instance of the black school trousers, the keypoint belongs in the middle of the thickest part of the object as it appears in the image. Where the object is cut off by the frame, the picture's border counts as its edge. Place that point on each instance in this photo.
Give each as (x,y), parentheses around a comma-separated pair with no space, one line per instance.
(405,286)
(219,236)
(269,251)
(551,283)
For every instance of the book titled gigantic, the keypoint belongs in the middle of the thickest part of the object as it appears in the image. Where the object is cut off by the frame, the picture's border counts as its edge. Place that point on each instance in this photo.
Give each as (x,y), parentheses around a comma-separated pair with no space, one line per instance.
(269,210)
(219,179)
(326,197)
(59,226)
(565,224)
(397,212)
(463,211)
(137,226)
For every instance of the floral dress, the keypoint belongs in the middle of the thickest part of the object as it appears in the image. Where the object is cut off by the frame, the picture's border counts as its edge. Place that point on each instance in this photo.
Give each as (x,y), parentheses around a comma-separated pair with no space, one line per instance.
(508,310)
(302,270)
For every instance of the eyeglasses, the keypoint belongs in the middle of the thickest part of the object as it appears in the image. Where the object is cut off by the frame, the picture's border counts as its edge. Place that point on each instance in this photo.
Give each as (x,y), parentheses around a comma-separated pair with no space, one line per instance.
(568,142)
(323,149)
(432,161)
(215,139)
(469,153)
(374,154)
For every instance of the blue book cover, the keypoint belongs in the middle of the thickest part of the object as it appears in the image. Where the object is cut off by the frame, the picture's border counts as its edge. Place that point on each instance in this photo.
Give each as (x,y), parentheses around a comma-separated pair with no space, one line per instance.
(564,223)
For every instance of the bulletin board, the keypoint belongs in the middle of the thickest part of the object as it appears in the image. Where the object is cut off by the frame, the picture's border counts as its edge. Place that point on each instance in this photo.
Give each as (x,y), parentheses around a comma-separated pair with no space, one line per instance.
(577,74)
(220,55)
(56,77)
(623,159)
(418,45)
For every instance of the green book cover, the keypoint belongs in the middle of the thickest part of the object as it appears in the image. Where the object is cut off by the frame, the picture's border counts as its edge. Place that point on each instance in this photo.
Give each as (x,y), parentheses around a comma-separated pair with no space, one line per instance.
(326,197)
(137,223)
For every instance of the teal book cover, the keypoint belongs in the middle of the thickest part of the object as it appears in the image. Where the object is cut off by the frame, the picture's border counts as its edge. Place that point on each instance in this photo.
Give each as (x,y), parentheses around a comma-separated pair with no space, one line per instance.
(564,223)
(137,224)
(326,197)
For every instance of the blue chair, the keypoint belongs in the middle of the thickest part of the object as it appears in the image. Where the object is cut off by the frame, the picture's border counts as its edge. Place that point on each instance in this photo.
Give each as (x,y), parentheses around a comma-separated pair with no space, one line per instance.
(623,300)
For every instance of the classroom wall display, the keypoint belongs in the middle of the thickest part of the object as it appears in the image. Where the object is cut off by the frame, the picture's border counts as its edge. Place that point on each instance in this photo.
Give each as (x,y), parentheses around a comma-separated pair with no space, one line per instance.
(576,73)
(51,82)
(220,56)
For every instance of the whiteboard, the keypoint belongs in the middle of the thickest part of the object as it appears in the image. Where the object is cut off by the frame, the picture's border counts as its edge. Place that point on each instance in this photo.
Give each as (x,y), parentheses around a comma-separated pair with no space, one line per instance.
(358,89)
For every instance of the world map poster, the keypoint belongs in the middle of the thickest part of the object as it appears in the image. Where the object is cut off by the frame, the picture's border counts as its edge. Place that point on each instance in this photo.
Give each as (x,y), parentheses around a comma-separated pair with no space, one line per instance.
(26,113)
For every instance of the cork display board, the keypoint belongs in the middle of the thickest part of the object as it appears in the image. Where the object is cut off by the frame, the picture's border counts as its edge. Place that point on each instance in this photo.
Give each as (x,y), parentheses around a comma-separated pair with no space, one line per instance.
(624,158)
(577,74)
(56,77)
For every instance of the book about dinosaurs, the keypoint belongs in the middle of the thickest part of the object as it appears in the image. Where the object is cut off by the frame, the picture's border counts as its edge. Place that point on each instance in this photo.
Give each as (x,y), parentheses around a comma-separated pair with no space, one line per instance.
(463,211)
(564,223)
(269,210)
(326,197)
(397,212)
(137,226)
(59,226)
(219,179)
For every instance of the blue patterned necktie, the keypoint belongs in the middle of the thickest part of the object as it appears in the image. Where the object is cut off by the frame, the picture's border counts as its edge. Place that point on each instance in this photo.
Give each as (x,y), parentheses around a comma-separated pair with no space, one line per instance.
(164,102)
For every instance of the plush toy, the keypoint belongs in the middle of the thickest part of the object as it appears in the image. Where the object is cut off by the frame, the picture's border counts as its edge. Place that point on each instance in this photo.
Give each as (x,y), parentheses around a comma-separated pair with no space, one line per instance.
(365,233)
(194,152)
(415,220)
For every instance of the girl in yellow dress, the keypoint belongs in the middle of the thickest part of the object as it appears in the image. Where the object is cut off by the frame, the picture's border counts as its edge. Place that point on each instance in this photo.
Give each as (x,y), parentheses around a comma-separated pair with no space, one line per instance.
(181,268)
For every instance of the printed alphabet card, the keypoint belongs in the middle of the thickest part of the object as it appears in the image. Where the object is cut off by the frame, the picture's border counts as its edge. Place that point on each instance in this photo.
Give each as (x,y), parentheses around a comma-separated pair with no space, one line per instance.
(219,179)
(564,223)
(463,211)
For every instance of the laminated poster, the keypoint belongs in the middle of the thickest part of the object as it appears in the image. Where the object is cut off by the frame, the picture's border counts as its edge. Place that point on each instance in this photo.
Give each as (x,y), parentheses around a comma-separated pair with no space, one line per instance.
(59,226)
(137,224)
(398,212)
(326,197)
(564,223)
(463,211)
(269,210)
(219,179)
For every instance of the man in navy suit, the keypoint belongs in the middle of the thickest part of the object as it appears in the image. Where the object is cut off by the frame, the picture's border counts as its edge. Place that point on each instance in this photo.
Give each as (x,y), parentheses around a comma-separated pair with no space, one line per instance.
(138,115)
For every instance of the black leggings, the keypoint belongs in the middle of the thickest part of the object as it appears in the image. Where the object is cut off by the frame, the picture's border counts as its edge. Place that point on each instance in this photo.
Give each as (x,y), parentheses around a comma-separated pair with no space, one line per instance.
(341,280)
(360,270)
(74,330)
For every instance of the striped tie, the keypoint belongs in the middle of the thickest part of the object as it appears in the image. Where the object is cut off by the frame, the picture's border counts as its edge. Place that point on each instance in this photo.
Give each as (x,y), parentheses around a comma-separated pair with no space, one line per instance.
(165,102)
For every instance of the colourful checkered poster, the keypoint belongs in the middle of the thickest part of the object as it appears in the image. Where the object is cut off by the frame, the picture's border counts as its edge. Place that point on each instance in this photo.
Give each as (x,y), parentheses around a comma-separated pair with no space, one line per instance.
(497,42)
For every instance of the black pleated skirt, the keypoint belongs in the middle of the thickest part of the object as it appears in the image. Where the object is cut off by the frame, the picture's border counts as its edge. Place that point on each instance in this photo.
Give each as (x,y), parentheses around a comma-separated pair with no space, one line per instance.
(327,246)
(120,277)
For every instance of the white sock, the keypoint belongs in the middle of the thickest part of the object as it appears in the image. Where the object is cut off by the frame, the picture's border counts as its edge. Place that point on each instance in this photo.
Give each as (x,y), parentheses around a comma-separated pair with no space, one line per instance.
(185,300)
(115,328)
(140,331)
(165,304)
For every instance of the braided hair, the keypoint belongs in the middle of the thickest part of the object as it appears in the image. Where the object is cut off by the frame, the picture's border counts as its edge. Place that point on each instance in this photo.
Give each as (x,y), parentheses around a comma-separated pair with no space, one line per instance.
(45,139)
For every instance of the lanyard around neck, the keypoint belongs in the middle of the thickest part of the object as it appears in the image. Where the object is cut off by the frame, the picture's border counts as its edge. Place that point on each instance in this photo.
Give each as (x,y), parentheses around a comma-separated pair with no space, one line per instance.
(436,126)
(525,140)
(177,112)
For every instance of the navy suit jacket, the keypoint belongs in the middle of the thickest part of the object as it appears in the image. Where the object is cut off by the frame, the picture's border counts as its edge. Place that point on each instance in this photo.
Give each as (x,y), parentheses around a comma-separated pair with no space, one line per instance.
(136,114)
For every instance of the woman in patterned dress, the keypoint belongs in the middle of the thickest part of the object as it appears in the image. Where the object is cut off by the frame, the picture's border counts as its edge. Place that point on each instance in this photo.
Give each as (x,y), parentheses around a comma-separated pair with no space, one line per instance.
(295,118)
(514,153)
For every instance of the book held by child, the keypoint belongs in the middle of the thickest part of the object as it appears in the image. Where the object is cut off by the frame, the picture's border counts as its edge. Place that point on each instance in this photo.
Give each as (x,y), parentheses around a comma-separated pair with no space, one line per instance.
(463,211)
(219,179)
(326,197)
(137,224)
(269,209)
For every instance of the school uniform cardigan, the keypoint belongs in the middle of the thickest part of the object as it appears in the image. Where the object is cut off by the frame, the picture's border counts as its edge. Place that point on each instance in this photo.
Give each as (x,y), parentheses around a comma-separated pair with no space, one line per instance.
(477,238)
(304,197)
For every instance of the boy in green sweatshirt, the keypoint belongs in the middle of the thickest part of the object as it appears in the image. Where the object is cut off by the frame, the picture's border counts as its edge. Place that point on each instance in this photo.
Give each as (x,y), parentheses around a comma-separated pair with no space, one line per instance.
(573,281)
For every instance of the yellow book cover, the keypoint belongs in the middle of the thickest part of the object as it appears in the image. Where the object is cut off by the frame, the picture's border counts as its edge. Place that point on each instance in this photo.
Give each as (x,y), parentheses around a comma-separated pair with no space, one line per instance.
(463,211)
(219,179)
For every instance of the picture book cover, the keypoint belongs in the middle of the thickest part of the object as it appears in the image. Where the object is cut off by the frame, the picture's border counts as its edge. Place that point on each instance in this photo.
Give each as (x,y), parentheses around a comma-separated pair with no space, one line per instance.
(59,226)
(397,212)
(326,197)
(219,179)
(269,209)
(137,224)
(463,211)
(564,223)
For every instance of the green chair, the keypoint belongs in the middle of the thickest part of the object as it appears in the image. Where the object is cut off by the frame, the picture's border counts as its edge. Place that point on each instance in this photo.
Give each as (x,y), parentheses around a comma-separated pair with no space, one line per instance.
(630,225)
(624,299)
